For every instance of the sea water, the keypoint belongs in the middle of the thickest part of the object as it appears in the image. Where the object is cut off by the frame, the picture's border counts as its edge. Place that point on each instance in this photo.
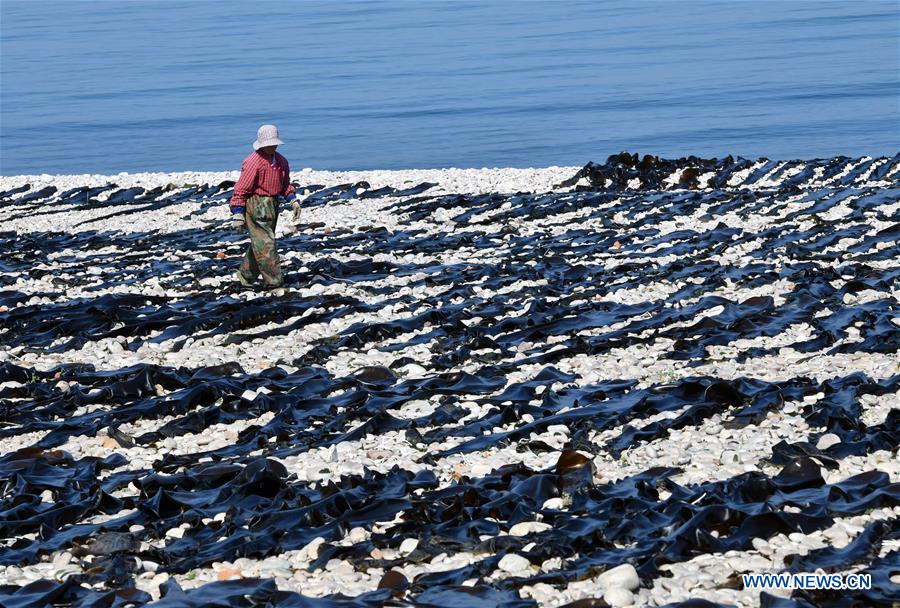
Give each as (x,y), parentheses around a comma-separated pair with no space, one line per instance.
(104,87)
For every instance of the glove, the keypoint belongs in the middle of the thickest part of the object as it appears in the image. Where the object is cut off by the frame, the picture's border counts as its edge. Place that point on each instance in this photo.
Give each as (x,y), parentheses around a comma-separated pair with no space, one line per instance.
(237,222)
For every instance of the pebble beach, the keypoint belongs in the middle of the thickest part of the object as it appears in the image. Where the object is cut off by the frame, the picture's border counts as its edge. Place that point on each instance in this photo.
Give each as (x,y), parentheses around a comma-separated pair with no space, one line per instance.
(623,384)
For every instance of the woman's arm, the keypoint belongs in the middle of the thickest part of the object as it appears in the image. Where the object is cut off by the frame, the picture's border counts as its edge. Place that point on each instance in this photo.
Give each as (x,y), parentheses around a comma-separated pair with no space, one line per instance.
(244,186)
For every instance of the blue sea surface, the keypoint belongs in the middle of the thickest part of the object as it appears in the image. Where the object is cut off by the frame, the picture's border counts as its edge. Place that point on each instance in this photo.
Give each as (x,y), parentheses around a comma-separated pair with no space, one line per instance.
(103,87)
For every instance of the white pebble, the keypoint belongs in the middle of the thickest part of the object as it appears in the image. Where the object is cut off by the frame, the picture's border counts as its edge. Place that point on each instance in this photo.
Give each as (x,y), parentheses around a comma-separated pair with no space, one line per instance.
(617,596)
(527,527)
(827,440)
(408,546)
(624,576)
(513,563)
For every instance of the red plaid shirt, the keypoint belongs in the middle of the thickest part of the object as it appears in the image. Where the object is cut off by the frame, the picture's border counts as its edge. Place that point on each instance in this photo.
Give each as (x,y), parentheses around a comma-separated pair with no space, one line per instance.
(265,177)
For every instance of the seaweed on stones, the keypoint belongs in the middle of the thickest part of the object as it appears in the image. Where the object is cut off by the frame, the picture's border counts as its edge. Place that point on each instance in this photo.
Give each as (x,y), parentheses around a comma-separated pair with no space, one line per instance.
(555,286)
(654,173)
(862,550)
(36,195)
(8,194)
(799,484)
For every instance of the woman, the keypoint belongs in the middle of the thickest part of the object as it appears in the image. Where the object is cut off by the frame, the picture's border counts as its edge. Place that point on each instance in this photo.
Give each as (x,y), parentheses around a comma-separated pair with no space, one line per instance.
(265,175)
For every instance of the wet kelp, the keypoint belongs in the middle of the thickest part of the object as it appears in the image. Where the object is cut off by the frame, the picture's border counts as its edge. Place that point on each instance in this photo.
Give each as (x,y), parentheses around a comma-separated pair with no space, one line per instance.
(632,171)
(554,284)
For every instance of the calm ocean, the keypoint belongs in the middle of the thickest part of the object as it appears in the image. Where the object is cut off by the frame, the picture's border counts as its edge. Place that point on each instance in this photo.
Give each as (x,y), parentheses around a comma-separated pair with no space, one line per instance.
(104,87)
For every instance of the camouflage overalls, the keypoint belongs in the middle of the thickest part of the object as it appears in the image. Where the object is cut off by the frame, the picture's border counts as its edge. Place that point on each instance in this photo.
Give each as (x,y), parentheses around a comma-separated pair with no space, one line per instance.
(261,216)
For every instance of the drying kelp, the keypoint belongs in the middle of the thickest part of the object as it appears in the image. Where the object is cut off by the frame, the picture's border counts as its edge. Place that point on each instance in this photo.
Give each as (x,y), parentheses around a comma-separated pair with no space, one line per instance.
(631,171)
(448,400)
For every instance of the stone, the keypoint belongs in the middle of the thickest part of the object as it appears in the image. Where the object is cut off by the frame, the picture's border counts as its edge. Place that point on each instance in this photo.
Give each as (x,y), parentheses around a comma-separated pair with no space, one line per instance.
(414,370)
(159,579)
(62,559)
(109,443)
(617,596)
(554,563)
(827,440)
(312,549)
(513,563)
(339,567)
(851,529)
(379,454)
(624,576)
(528,527)
(275,563)
(228,574)
(542,593)
(358,535)
(730,457)
(408,546)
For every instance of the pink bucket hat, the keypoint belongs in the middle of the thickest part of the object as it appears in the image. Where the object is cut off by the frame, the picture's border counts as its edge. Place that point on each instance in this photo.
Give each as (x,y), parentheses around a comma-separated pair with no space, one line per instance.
(267,136)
